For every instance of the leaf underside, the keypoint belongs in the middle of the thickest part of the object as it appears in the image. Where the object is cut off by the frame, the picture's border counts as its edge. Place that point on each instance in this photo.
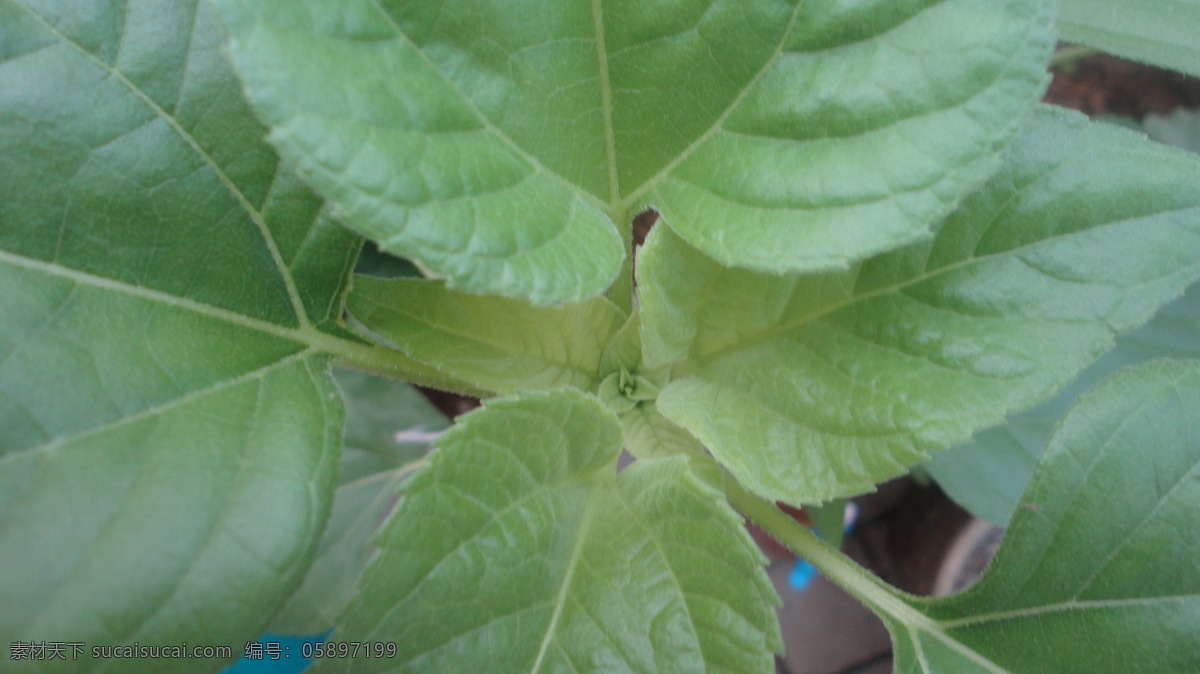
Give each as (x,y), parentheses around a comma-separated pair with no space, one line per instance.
(810,387)
(1160,32)
(520,533)
(501,145)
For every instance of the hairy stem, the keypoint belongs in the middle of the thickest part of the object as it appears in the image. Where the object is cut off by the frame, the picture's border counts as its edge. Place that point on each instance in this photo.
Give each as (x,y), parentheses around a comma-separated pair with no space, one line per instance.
(388,362)
(883,599)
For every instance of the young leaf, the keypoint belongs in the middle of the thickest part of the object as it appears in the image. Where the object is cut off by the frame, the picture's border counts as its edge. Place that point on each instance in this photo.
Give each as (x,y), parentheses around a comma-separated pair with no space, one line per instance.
(1161,32)
(499,143)
(520,549)
(988,475)
(647,433)
(389,426)
(624,348)
(168,440)
(1098,571)
(494,343)
(811,387)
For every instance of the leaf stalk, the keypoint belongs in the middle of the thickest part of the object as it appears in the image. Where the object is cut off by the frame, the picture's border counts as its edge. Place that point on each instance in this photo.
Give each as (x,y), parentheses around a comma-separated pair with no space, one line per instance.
(883,599)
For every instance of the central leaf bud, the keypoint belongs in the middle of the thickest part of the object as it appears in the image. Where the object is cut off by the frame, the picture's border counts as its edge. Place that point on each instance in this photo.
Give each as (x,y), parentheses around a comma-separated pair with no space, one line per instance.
(622,391)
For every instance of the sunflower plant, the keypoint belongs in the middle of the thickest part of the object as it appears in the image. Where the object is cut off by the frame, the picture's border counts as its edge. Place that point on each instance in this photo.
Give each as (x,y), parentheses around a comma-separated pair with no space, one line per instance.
(872,242)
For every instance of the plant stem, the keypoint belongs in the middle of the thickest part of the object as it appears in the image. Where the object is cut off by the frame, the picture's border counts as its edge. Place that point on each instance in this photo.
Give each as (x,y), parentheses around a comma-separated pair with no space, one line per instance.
(883,599)
(387,362)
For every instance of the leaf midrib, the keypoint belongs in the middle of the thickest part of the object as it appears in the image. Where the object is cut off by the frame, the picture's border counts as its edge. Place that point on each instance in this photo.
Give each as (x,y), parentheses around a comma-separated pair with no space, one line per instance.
(953,644)
(537,490)
(650,183)
(165,406)
(103,283)
(252,212)
(1081,483)
(615,205)
(888,601)
(939,629)
(606,106)
(233,488)
(1060,607)
(560,599)
(309,336)
(575,189)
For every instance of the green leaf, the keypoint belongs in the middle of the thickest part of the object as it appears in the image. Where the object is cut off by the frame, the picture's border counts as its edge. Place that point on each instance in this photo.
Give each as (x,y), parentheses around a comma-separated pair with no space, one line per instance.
(1098,571)
(389,427)
(988,474)
(372,111)
(648,434)
(494,343)
(624,349)
(520,549)
(812,387)
(868,122)
(1160,32)
(168,437)
(190,522)
(500,144)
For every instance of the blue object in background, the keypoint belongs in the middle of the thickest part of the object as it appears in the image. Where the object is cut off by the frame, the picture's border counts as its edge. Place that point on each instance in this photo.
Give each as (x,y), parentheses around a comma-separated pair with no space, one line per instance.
(803,573)
(276,654)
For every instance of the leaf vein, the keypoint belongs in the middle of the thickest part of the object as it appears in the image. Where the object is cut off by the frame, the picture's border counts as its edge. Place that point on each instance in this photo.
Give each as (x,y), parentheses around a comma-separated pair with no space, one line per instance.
(798,321)
(234,190)
(1082,482)
(188,397)
(487,123)
(647,186)
(560,599)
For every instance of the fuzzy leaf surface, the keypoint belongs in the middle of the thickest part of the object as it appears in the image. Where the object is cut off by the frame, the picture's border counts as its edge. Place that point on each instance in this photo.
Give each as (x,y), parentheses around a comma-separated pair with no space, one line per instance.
(810,387)
(1084,581)
(494,343)
(168,439)
(647,433)
(500,144)
(988,475)
(520,549)
(1160,32)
